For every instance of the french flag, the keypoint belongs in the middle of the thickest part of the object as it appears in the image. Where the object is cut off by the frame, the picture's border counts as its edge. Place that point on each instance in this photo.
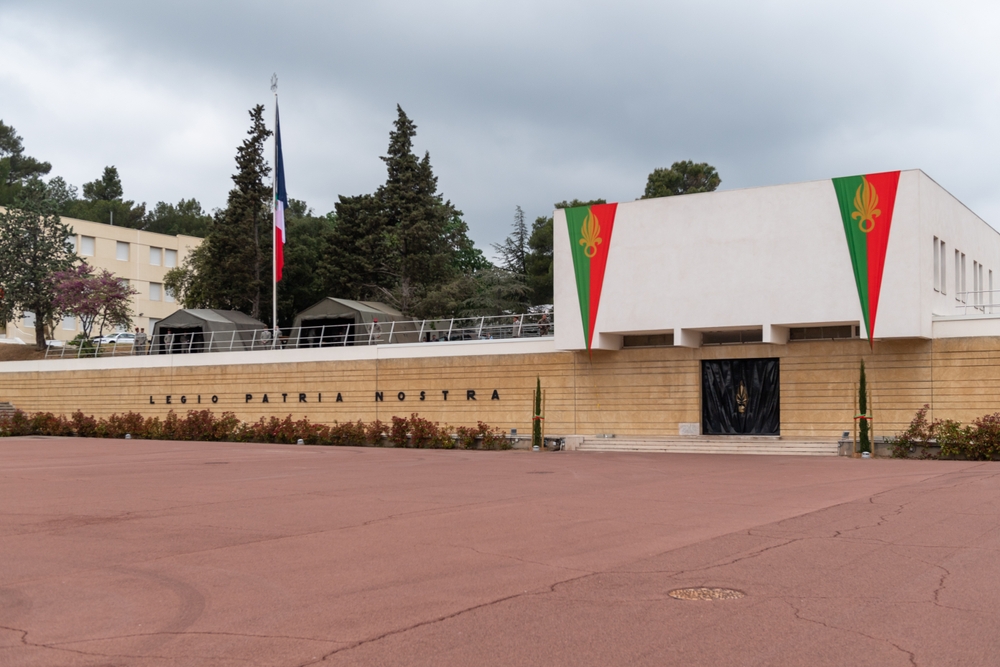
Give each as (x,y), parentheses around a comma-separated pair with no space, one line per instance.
(280,200)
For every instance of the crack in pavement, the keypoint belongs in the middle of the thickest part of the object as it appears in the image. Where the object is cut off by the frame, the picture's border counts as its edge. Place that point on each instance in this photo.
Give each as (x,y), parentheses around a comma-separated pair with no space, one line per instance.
(63,646)
(515,558)
(798,615)
(185,633)
(432,621)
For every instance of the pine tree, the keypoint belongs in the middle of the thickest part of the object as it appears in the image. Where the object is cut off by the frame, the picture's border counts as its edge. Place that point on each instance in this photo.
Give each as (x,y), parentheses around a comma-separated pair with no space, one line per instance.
(403,241)
(514,250)
(233,269)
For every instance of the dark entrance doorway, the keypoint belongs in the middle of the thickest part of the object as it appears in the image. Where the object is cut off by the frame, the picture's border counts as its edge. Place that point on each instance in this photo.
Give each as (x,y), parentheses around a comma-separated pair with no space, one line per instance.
(740,397)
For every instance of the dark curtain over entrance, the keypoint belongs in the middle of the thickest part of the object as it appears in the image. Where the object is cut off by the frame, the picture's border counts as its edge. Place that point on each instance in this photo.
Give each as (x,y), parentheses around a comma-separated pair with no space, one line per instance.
(740,397)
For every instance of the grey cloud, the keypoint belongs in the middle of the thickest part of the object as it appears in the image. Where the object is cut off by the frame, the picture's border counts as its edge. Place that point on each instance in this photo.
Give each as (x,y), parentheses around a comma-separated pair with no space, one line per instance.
(529,103)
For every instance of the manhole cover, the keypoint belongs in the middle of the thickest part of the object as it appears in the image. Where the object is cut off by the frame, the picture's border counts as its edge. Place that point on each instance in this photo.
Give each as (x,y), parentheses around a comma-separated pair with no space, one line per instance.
(706,594)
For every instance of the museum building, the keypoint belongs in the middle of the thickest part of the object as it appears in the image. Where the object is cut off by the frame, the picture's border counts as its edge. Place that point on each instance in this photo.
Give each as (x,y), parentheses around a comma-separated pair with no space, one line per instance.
(737,314)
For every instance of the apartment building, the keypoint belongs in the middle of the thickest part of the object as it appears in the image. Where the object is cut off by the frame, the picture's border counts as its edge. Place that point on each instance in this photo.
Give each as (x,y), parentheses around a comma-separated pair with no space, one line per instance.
(141,258)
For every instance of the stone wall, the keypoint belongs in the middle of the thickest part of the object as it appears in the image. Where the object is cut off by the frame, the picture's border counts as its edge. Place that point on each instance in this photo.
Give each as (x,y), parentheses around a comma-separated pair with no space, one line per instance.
(647,391)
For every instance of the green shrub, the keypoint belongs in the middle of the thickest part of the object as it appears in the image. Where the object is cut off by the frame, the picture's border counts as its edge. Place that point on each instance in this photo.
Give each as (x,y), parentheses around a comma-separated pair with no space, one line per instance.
(203,425)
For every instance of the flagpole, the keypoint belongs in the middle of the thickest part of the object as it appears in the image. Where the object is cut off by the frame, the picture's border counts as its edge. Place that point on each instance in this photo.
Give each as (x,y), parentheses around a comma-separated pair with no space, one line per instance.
(274,221)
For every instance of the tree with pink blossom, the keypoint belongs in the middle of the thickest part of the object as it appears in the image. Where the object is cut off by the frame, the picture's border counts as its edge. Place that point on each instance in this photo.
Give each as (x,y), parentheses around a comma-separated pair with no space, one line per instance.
(102,298)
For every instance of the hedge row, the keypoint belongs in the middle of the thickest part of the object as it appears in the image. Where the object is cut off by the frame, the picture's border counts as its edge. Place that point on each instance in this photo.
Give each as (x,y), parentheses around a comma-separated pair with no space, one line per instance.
(203,425)
(978,441)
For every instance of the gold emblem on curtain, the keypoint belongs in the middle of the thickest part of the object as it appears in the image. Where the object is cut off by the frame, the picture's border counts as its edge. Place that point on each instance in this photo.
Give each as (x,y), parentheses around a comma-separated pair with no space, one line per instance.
(865,201)
(590,231)
(742,398)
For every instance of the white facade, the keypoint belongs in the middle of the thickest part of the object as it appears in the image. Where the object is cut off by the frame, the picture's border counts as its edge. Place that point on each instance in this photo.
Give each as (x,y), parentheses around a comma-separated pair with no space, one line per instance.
(775,258)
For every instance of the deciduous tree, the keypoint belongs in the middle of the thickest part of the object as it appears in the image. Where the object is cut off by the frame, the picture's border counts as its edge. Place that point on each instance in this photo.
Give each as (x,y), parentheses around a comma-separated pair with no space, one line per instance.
(33,246)
(102,298)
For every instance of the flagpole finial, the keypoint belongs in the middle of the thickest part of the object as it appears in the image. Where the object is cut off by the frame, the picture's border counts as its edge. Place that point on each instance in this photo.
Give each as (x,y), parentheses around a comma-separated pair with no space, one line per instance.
(274,84)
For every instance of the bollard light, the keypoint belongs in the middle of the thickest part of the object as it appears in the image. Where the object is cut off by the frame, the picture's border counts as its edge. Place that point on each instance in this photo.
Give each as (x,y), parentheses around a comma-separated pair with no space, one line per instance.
(128,436)
(301,441)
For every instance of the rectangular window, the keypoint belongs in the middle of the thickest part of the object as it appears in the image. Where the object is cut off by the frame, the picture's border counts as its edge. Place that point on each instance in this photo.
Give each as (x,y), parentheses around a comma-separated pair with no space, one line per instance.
(944,269)
(87,246)
(958,276)
(69,323)
(168,295)
(732,337)
(937,265)
(978,280)
(965,294)
(975,282)
(155,291)
(170,257)
(121,251)
(29,320)
(652,340)
(71,242)
(155,256)
(823,333)
(990,274)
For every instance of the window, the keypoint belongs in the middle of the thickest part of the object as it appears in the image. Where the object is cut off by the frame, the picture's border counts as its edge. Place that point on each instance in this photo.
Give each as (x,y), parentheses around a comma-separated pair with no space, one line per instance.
(824,333)
(960,276)
(975,282)
(168,295)
(965,294)
(155,291)
(121,251)
(29,320)
(937,264)
(944,269)
(990,273)
(981,288)
(87,246)
(69,323)
(732,337)
(652,340)
(170,258)
(156,256)
(71,242)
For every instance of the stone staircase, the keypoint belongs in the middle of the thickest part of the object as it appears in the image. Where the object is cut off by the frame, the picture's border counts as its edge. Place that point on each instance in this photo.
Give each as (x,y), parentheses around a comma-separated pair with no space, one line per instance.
(711,445)
(6,409)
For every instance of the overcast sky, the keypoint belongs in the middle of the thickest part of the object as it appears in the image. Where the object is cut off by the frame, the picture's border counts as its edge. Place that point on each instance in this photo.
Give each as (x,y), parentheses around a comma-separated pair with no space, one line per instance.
(518,102)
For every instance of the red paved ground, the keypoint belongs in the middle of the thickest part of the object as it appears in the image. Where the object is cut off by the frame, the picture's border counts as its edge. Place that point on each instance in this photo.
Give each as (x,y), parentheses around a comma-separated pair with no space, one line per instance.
(160,553)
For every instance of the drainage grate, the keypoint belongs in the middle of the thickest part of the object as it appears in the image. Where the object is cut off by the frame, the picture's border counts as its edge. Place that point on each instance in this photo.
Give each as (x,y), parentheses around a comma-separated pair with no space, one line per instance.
(540,472)
(706,594)
(216,463)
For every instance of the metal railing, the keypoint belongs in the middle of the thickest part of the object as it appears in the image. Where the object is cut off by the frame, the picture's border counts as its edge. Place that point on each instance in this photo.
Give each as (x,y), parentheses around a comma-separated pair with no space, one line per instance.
(193,340)
(984,302)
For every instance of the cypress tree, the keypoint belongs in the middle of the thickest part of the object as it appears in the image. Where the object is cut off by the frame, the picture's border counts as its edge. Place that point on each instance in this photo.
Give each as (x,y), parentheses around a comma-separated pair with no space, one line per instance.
(865,441)
(536,422)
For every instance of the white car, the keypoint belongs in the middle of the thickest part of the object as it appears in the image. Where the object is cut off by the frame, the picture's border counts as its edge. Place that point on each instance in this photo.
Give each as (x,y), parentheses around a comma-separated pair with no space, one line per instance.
(125,338)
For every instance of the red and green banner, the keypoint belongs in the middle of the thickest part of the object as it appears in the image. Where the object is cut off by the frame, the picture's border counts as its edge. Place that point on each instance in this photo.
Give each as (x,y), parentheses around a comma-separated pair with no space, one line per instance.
(866,204)
(589,239)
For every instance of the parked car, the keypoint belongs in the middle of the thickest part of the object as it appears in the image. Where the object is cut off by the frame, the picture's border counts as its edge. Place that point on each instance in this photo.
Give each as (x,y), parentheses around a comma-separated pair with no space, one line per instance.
(124,338)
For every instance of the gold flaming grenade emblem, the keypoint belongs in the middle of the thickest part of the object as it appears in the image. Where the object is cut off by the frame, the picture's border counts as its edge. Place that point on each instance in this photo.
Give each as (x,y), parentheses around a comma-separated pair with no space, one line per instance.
(742,398)
(590,231)
(865,201)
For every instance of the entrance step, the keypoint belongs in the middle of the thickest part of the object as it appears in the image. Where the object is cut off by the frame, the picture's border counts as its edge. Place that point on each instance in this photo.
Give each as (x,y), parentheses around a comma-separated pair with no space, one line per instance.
(6,409)
(712,445)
